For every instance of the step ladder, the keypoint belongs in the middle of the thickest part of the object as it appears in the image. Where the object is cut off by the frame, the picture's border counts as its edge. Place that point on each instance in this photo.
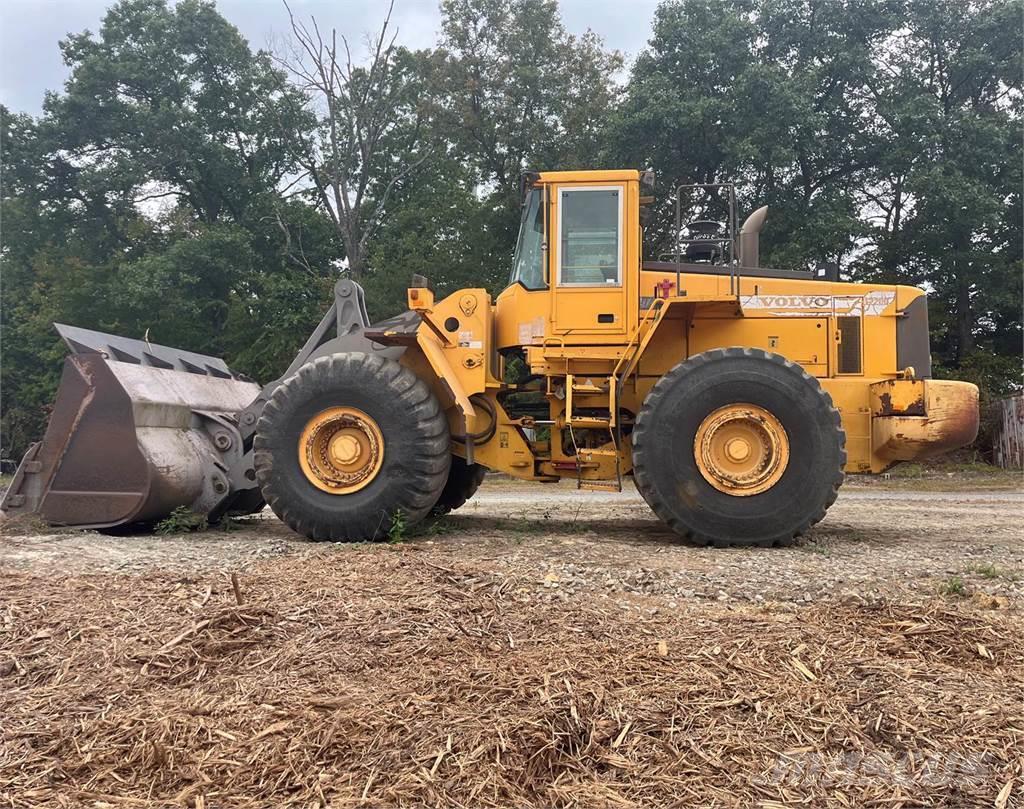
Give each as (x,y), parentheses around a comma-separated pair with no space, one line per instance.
(612,389)
(574,386)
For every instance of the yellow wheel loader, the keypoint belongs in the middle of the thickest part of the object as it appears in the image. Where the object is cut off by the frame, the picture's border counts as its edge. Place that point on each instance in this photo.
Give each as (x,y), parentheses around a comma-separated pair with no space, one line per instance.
(737,396)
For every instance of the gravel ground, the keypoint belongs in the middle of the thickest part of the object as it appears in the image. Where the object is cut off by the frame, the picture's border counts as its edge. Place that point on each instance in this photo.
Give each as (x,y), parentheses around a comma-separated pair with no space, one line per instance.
(878,541)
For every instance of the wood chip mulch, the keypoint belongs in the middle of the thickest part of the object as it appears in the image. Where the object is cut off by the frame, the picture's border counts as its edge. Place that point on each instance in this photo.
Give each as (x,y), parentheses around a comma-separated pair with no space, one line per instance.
(384,679)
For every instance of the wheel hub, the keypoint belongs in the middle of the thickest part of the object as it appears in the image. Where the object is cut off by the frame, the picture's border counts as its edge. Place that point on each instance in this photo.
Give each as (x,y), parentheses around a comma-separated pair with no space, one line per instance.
(737,449)
(341,450)
(741,449)
(345,449)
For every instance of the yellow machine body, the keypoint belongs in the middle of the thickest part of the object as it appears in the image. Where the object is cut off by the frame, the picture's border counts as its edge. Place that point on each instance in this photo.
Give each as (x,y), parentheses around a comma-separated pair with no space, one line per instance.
(595,348)
(736,395)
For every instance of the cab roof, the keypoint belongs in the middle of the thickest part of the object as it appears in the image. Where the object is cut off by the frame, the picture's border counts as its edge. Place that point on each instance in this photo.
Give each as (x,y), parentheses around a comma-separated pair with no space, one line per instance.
(603,176)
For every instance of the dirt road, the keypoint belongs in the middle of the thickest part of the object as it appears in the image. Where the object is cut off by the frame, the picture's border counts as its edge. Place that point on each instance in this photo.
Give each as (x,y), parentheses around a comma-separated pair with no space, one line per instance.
(876,541)
(541,648)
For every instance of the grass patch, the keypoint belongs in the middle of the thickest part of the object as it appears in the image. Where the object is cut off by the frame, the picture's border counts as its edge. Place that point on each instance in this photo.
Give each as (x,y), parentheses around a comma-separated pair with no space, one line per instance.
(974,472)
(230,523)
(908,471)
(953,586)
(182,521)
(988,570)
(435,526)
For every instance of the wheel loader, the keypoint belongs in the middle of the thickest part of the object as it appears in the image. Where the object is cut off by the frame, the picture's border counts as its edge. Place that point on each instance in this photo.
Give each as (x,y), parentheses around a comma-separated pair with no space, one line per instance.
(735,395)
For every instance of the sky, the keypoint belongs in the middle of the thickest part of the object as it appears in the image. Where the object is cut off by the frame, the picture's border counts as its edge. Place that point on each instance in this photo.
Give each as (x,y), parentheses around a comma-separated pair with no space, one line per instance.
(30,60)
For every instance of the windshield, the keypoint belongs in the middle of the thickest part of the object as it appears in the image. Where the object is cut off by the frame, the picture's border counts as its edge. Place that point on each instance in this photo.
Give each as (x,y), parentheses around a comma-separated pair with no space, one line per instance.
(528,266)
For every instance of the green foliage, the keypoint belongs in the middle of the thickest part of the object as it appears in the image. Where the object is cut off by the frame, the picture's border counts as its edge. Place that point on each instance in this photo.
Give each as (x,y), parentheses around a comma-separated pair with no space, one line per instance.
(182,521)
(172,95)
(947,179)
(986,570)
(953,586)
(398,527)
(768,95)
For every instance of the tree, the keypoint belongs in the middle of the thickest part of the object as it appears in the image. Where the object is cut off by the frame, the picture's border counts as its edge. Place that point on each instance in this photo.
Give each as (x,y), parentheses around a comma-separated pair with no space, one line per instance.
(437,227)
(508,89)
(520,91)
(766,95)
(947,182)
(170,103)
(368,137)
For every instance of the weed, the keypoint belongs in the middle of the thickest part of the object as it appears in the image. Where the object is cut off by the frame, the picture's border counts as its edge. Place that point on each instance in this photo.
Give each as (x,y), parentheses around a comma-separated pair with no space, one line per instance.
(575,518)
(908,470)
(396,533)
(437,527)
(953,586)
(232,523)
(182,521)
(818,548)
(430,527)
(988,570)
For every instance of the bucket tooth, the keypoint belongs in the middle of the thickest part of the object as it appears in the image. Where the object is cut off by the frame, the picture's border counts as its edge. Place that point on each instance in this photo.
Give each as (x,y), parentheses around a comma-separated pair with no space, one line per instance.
(156,362)
(117,354)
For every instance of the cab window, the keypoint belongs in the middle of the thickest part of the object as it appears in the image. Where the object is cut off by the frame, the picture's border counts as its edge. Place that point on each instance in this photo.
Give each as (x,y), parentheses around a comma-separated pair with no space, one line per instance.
(528,264)
(589,233)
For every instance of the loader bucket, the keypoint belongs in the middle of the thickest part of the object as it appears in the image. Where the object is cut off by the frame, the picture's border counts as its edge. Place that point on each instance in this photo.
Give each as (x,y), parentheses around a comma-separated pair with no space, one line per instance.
(136,431)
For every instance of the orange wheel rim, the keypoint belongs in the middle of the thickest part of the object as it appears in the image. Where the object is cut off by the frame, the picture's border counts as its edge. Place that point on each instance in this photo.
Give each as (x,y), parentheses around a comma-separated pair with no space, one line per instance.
(341,450)
(741,449)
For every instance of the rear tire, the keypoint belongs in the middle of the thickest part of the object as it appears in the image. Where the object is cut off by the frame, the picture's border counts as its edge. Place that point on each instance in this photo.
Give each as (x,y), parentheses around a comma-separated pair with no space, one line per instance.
(685,495)
(415,455)
(463,481)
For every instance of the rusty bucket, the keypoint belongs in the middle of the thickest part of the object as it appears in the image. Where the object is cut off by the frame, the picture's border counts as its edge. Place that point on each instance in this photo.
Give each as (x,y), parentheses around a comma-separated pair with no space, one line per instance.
(137,430)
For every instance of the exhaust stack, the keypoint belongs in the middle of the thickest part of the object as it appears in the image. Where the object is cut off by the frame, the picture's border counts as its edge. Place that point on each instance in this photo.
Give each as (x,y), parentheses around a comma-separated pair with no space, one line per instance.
(750,238)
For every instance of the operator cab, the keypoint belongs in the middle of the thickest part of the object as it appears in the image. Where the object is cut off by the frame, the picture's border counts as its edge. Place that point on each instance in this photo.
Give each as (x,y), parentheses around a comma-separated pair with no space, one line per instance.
(575,271)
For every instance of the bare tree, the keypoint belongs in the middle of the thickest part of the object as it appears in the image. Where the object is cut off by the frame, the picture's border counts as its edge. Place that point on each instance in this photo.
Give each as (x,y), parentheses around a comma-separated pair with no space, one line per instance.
(368,139)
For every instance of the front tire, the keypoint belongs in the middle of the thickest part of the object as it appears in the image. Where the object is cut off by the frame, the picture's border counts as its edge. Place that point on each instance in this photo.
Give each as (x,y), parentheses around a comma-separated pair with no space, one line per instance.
(349,442)
(738,446)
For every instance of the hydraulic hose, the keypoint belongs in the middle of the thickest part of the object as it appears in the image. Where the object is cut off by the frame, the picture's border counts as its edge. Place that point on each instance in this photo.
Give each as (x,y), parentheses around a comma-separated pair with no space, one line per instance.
(486,434)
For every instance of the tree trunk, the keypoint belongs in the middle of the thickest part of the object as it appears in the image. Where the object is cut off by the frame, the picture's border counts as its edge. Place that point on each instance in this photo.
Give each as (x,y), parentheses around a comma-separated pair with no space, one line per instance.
(964,315)
(964,318)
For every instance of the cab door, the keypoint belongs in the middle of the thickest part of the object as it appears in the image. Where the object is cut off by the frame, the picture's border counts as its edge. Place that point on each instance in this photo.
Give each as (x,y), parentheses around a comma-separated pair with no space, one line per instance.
(588,260)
